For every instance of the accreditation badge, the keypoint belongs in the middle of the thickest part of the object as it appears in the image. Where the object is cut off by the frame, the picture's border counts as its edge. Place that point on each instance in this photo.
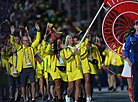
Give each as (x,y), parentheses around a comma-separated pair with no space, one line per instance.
(61,61)
(14,71)
(114,60)
(90,58)
(28,62)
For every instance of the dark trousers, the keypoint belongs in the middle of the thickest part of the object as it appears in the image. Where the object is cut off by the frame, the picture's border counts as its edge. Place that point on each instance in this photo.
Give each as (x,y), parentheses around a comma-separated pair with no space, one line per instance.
(27,73)
(135,80)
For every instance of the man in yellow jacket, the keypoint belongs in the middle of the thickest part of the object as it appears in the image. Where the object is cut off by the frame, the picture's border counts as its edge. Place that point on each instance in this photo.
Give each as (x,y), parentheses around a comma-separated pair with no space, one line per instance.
(26,62)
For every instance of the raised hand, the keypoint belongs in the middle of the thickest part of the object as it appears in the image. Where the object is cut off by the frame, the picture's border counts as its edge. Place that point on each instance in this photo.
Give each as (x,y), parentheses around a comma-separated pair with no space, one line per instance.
(45,36)
(52,45)
(88,30)
(76,50)
(37,26)
(4,48)
(51,40)
(62,45)
(29,38)
(12,29)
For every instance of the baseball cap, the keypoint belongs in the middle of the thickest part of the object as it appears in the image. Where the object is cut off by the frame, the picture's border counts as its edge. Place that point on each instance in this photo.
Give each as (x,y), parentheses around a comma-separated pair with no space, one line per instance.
(136,21)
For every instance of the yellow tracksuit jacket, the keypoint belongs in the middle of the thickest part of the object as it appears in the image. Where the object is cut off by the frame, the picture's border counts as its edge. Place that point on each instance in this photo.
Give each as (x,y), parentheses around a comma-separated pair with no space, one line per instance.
(94,52)
(72,60)
(10,69)
(20,51)
(113,56)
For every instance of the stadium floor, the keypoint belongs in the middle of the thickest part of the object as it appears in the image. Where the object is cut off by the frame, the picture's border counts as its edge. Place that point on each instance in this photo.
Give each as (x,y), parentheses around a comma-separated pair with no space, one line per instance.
(104,96)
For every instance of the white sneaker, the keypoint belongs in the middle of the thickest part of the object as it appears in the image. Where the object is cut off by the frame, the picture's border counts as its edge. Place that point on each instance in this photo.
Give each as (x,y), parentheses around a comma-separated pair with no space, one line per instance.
(48,98)
(67,98)
(88,99)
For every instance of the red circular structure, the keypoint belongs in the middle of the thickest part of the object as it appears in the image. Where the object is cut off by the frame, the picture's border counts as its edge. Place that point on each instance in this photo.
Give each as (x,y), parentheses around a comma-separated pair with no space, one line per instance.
(117,19)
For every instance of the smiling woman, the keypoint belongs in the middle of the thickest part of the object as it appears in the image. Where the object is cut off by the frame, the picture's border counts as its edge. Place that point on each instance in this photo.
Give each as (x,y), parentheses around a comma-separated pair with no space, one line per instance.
(74,72)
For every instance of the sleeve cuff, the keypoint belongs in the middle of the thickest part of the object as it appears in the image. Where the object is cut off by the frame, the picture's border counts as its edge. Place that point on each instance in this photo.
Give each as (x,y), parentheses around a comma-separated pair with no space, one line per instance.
(103,53)
(72,54)
(66,48)
(38,30)
(127,56)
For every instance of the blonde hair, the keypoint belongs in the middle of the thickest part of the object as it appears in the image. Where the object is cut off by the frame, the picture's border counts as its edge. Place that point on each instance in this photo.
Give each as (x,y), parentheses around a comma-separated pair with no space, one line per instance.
(66,41)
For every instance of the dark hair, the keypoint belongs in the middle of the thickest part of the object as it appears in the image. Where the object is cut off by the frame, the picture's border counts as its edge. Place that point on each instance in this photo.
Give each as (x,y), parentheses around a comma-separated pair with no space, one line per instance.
(17,36)
(55,47)
(130,31)
(75,36)
(17,32)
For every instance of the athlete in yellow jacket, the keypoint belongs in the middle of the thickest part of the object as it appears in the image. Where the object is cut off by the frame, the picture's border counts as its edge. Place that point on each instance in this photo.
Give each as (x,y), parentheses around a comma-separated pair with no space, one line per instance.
(5,53)
(92,53)
(41,72)
(40,66)
(73,67)
(106,54)
(13,74)
(20,51)
(57,66)
(114,59)
(26,62)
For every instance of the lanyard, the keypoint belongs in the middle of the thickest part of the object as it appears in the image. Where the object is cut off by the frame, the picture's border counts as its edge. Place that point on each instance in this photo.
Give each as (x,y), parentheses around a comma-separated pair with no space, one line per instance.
(16,61)
(91,49)
(43,65)
(108,53)
(91,52)
(59,54)
(25,54)
(113,55)
(72,52)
